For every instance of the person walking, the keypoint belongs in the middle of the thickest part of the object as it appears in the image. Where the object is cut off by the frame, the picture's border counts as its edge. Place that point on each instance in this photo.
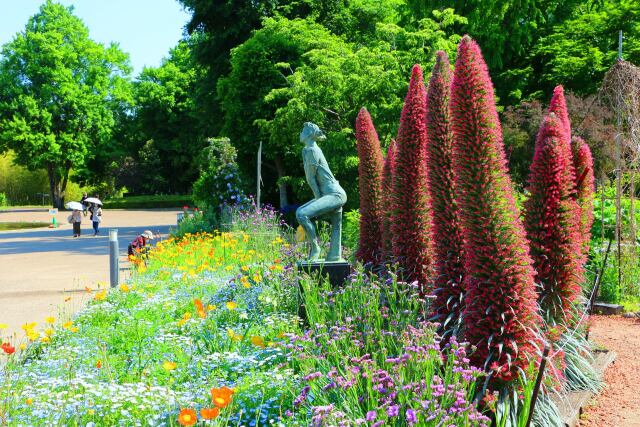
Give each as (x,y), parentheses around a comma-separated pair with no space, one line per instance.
(76,220)
(86,205)
(96,218)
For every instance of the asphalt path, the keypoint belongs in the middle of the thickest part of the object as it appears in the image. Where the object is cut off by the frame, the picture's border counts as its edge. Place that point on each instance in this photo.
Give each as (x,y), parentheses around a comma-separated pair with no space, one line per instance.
(47,272)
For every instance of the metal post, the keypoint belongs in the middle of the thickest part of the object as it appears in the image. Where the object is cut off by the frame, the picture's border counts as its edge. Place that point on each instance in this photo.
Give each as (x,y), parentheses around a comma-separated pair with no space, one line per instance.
(536,389)
(259,175)
(620,45)
(602,209)
(619,169)
(114,258)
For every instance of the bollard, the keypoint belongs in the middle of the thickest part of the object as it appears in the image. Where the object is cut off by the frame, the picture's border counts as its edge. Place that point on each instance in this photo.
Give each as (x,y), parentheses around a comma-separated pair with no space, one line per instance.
(114,260)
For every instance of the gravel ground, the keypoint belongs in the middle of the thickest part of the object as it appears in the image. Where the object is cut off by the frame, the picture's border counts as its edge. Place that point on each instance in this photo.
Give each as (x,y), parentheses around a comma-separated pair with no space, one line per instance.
(618,405)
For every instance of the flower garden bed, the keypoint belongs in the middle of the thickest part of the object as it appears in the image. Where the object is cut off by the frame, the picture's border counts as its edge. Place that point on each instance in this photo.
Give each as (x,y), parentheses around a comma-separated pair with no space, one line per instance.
(207,333)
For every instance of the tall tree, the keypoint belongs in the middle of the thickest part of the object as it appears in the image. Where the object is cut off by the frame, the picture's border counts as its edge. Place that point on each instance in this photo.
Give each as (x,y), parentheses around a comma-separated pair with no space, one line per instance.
(500,315)
(370,186)
(447,230)
(166,113)
(411,221)
(59,91)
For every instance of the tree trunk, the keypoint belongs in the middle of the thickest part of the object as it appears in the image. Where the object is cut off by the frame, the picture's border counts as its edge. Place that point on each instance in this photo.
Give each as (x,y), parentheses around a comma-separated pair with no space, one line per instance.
(282,186)
(57,188)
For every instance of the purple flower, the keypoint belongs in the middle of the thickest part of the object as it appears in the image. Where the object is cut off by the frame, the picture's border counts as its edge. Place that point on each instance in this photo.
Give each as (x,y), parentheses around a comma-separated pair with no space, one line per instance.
(412,419)
(393,410)
(371,416)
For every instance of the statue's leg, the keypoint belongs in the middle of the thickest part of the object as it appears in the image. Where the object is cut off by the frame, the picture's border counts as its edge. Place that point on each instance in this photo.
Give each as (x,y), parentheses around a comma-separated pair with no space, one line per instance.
(304,214)
(335,250)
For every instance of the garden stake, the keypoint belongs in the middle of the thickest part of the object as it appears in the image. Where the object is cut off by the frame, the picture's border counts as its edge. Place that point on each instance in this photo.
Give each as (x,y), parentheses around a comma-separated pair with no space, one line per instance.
(536,389)
(596,285)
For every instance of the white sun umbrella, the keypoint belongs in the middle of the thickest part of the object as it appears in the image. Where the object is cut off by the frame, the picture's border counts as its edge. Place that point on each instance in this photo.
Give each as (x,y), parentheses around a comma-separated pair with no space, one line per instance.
(76,206)
(93,200)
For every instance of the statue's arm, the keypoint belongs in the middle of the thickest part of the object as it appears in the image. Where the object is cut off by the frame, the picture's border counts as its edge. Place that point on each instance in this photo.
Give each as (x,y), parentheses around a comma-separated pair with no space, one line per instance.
(310,169)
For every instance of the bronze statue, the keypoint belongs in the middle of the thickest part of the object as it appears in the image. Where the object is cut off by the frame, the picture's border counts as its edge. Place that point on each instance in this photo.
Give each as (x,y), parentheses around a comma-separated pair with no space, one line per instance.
(329,197)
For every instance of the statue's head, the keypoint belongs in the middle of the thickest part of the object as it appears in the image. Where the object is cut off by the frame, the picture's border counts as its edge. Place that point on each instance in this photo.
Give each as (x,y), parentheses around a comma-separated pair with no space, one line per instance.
(311,132)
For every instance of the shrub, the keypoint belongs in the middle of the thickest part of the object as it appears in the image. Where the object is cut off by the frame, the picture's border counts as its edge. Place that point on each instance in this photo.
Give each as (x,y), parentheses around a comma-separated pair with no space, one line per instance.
(552,222)
(149,202)
(351,231)
(387,199)
(446,221)
(410,225)
(3,200)
(370,181)
(500,314)
(192,224)
(219,184)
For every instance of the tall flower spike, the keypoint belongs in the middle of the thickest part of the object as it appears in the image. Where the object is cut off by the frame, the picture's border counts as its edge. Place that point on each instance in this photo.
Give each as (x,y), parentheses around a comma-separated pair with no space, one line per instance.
(500,315)
(558,106)
(370,174)
(387,199)
(583,162)
(411,227)
(447,232)
(552,221)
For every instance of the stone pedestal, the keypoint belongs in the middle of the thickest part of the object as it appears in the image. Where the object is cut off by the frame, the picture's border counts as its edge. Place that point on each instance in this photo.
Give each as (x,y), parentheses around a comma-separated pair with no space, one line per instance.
(336,271)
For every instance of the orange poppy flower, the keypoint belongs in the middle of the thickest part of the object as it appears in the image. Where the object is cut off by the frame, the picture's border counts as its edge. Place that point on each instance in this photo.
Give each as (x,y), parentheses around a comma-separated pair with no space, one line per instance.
(209,413)
(187,417)
(221,397)
(8,348)
(200,308)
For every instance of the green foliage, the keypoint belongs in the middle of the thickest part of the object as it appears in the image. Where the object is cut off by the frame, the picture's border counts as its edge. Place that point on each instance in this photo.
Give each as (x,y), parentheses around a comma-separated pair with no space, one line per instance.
(192,224)
(166,119)
(578,50)
(149,202)
(292,71)
(4,226)
(3,200)
(25,187)
(351,231)
(58,93)
(20,185)
(503,28)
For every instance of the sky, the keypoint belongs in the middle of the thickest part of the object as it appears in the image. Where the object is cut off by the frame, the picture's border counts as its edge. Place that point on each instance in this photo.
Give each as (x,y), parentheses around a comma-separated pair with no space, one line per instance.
(145,29)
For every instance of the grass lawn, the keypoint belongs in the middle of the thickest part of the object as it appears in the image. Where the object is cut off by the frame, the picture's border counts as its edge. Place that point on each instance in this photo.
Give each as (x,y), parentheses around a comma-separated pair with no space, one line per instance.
(5,226)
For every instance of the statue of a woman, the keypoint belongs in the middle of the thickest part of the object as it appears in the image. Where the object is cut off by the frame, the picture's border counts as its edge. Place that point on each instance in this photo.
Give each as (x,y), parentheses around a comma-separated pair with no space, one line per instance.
(329,197)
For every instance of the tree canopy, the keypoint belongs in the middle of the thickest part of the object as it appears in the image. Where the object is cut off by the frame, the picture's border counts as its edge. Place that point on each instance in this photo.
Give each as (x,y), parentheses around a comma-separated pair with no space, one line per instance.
(59,91)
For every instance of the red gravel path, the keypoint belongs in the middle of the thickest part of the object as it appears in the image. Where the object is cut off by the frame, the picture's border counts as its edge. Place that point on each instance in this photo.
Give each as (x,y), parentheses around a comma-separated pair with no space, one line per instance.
(618,405)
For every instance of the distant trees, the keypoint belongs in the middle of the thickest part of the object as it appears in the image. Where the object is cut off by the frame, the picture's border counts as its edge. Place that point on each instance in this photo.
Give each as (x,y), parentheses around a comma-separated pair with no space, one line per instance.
(60,94)
(167,122)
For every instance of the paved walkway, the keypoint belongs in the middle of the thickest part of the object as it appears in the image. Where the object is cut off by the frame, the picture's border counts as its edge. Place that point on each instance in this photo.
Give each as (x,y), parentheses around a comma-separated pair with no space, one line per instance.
(46,271)
(618,405)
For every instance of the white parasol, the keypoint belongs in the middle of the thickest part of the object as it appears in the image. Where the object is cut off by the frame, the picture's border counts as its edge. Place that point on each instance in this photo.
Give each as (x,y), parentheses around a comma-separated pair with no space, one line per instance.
(93,200)
(76,206)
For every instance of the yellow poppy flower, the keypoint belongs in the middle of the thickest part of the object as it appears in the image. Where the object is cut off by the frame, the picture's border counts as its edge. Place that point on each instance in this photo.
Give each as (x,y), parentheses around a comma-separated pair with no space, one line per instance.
(257,341)
(169,366)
